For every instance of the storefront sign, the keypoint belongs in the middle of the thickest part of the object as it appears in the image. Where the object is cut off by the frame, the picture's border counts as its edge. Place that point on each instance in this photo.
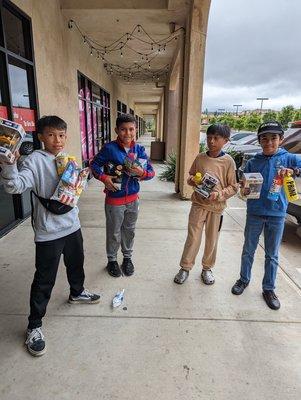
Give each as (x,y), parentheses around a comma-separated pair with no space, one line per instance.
(3,112)
(25,117)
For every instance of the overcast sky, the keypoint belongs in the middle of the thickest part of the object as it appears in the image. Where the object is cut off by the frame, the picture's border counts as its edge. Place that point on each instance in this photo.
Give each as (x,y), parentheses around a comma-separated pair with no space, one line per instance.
(253,50)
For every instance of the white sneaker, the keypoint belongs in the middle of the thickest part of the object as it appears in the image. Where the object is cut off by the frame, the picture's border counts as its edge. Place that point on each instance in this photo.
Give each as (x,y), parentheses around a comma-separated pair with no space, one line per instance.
(35,342)
(207,277)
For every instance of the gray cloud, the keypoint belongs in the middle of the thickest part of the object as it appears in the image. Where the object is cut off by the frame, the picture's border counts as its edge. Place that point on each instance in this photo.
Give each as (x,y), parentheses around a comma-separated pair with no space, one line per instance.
(254,44)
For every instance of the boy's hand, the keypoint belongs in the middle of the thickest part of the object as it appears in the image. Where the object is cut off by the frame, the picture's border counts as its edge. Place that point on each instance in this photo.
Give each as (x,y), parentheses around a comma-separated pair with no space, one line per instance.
(213,196)
(109,184)
(285,171)
(191,181)
(17,156)
(138,171)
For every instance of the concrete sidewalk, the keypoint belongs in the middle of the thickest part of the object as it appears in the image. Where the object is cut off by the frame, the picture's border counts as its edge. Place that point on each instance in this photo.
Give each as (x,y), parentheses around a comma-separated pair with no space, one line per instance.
(167,342)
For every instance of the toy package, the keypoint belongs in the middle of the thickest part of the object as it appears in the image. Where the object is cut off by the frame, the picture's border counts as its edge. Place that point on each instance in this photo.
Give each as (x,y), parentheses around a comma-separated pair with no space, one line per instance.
(115,170)
(252,184)
(207,185)
(73,181)
(11,136)
(131,161)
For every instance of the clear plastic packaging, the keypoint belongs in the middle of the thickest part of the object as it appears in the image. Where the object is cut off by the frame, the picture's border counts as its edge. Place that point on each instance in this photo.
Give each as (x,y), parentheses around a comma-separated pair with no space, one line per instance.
(118,299)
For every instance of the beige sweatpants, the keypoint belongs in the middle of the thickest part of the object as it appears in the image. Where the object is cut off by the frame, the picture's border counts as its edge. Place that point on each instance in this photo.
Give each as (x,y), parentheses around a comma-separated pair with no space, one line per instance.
(198,217)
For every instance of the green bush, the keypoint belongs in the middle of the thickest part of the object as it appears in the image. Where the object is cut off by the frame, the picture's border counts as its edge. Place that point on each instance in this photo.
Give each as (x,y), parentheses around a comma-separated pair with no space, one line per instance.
(169,169)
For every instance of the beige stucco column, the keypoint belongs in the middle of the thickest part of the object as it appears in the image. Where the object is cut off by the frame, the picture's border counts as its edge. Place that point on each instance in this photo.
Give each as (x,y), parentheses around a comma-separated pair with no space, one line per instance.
(194,54)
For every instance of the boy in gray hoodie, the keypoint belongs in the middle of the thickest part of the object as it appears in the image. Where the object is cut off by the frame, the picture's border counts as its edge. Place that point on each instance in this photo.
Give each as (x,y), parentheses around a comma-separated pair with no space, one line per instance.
(54,234)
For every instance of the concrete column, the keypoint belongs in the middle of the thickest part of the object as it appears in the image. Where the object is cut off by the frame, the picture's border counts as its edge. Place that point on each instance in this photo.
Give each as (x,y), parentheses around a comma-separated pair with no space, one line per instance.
(195,41)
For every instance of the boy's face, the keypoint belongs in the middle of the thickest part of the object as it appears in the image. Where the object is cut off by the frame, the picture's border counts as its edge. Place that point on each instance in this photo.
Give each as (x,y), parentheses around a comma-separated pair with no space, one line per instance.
(54,139)
(126,133)
(215,143)
(270,143)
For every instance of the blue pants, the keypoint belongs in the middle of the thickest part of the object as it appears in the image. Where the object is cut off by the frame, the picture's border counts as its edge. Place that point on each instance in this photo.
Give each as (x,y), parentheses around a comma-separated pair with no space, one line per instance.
(273,230)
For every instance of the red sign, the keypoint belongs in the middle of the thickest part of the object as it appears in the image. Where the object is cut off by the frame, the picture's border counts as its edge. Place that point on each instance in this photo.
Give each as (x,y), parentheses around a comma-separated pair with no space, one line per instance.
(25,117)
(3,112)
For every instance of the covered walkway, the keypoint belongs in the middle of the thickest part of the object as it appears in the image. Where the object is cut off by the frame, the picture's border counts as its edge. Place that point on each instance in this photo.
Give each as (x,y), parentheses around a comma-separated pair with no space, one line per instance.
(166,342)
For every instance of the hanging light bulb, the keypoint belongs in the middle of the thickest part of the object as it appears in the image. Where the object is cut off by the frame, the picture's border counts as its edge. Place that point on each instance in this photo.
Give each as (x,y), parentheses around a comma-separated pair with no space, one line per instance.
(152,48)
(105,50)
(91,52)
(159,49)
(84,39)
(121,53)
(149,65)
(70,24)
(139,30)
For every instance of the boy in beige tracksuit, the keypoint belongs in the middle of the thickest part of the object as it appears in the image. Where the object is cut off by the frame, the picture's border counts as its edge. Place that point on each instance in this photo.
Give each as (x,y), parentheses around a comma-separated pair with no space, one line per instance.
(207,212)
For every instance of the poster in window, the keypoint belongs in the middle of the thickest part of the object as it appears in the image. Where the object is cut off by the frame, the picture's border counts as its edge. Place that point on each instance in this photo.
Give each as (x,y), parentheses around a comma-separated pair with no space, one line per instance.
(3,112)
(82,123)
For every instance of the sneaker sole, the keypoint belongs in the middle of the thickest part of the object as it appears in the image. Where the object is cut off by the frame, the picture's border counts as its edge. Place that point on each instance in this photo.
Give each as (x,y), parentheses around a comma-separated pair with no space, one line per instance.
(70,301)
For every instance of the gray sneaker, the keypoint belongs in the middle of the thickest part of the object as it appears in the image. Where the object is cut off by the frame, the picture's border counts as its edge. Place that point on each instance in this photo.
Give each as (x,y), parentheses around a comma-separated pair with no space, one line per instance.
(181,276)
(35,342)
(207,277)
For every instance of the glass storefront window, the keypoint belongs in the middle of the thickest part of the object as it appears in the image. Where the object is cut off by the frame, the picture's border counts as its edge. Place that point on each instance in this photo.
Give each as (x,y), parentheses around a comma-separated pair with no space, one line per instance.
(19,83)
(14,33)
(94,116)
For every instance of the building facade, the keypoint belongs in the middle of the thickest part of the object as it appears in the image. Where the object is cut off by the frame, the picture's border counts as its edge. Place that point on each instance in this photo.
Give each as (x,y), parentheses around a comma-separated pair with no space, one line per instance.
(49,67)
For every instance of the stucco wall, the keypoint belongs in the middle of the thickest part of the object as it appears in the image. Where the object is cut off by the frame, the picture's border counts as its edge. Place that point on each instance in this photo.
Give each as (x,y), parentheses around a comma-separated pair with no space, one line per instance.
(59,53)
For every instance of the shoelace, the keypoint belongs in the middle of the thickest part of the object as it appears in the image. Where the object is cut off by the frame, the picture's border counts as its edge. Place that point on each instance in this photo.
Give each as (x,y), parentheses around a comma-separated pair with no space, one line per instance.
(86,292)
(35,334)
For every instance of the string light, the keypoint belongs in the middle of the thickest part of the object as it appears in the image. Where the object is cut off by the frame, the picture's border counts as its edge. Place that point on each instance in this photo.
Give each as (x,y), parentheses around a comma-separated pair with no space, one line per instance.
(139,70)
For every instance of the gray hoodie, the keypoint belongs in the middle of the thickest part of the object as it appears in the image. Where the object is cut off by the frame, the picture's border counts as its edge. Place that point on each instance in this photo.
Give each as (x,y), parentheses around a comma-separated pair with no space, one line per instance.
(38,172)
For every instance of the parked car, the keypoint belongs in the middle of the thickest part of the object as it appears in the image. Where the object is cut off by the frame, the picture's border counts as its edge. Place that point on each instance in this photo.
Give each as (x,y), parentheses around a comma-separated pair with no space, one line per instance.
(244,145)
(237,136)
(26,147)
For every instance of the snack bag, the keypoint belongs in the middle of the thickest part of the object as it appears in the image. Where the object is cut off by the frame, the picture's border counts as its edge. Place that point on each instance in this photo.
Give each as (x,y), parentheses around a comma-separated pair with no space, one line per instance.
(73,181)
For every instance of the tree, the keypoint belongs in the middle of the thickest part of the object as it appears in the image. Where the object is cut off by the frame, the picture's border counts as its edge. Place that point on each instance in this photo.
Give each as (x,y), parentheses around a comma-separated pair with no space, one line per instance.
(269,116)
(286,115)
(239,123)
(252,122)
(297,115)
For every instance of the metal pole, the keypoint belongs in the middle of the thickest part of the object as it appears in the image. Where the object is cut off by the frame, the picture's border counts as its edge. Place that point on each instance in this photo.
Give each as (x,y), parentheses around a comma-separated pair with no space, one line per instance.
(262,99)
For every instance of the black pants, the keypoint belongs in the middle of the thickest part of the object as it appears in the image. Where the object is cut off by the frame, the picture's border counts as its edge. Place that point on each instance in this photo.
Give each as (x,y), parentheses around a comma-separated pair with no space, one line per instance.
(48,256)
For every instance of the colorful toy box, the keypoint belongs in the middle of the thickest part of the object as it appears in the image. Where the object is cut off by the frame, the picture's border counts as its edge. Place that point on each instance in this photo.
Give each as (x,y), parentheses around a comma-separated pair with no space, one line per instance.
(252,184)
(11,136)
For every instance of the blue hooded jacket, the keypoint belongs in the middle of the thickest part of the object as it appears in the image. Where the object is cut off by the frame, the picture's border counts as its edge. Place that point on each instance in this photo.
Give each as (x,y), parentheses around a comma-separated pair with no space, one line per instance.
(268,167)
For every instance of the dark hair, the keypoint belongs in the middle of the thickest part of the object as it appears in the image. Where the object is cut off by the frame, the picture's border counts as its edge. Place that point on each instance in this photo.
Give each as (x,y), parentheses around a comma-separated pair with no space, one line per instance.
(125,118)
(50,121)
(219,129)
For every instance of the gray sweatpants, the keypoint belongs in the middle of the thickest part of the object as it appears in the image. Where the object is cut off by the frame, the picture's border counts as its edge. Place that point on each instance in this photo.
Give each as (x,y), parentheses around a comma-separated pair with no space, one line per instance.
(120,229)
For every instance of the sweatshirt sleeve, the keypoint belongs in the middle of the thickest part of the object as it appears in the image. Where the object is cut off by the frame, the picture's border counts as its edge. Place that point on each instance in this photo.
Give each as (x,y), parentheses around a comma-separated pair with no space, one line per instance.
(232,185)
(16,182)
(193,169)
(149,172)
(294,162)
(97,164)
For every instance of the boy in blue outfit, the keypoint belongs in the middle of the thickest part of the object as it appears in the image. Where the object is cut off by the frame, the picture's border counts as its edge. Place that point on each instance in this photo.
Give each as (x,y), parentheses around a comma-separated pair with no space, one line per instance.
(264,214)
(120,165)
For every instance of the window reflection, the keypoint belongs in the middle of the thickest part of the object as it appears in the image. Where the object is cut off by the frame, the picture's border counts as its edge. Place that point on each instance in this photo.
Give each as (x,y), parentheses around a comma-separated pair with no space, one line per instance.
(14,35)
(19,84)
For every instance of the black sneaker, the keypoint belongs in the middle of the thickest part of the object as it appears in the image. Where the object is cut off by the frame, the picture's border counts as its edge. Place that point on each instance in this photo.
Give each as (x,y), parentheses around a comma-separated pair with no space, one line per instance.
(113,269)
(239,287)
(127,267)
(271,299)
(85,297)
(35,342)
